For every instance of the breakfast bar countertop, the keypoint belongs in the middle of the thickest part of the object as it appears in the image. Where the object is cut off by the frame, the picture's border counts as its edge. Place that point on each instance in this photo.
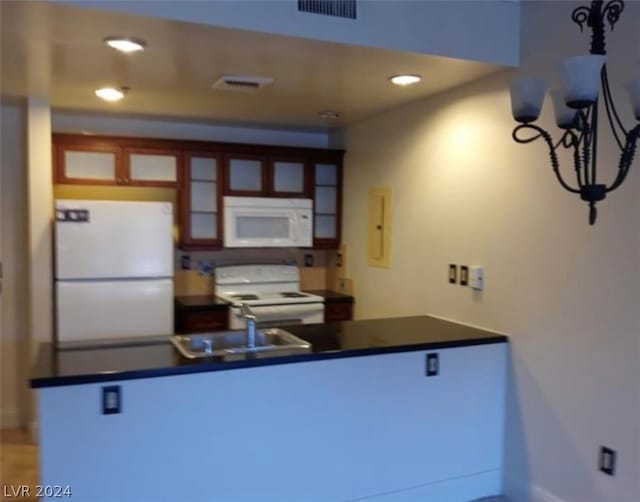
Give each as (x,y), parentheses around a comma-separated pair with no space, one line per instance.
(55,367)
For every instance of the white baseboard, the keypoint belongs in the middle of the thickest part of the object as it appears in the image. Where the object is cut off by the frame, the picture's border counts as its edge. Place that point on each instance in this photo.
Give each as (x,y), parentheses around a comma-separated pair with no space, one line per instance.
(10,418)
(541,495)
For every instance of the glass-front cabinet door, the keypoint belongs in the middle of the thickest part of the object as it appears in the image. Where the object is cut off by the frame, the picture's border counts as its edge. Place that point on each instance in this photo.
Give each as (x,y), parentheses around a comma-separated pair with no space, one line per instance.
(98,164)
(246,175)
(152,167)
(327,186)
(289,177)
(201,201)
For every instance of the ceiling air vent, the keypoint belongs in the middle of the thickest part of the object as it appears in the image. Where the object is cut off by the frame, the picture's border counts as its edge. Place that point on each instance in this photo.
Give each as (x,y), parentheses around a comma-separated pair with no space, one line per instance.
(335,8)
(241,83)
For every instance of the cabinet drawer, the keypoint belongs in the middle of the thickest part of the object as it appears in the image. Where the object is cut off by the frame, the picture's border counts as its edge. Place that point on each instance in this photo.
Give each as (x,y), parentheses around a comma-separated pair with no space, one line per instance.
(338,312)
(205,321)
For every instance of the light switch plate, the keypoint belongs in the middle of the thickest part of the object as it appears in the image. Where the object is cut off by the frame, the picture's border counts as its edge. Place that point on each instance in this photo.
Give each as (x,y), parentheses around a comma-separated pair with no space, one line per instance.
(476,277)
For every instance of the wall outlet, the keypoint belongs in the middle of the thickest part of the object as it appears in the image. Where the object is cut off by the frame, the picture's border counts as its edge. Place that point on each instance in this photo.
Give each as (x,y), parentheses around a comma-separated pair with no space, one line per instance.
(607,461)
(453,274)
(464,275)
(205,267)
(111,400)
(433,364)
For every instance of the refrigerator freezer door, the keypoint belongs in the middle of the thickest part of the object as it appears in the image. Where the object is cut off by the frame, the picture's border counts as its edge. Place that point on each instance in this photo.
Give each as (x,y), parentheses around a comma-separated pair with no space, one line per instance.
(98,310)
(113,239)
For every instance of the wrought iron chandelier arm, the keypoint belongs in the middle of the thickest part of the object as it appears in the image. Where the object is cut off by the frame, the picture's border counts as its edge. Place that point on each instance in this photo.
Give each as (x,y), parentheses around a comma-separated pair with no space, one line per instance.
(541,133)
(626,159)
(572,140)
(612,10)
(612,113)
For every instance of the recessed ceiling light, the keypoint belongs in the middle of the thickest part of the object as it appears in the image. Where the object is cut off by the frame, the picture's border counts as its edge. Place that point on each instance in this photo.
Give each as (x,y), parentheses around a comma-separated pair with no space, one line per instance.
(405,79)
(125,44)
(329,114)
(111,93)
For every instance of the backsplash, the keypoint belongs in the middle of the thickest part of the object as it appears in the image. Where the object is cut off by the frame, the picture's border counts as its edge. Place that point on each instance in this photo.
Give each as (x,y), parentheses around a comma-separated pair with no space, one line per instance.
(194,271)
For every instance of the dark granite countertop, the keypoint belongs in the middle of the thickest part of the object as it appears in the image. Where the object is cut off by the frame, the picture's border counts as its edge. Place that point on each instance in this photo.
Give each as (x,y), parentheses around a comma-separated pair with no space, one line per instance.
(212,302)
(330,296)
(329,341)
(201,302)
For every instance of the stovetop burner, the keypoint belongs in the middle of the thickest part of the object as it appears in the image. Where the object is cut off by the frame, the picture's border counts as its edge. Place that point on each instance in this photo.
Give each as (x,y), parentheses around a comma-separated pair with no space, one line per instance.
(292,294)
(245,297)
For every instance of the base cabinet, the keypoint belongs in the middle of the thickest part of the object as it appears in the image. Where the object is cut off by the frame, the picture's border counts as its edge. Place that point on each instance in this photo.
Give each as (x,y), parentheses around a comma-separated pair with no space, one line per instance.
(338,312)
(338,429)
(201,321)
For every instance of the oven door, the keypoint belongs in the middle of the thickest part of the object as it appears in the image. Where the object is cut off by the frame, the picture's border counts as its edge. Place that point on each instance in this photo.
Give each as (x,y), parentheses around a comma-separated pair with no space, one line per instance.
(279,315)
(260,222)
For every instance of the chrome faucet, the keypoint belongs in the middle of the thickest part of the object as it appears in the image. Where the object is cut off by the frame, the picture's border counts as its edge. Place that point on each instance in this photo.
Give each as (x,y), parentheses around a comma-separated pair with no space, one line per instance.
(250,319)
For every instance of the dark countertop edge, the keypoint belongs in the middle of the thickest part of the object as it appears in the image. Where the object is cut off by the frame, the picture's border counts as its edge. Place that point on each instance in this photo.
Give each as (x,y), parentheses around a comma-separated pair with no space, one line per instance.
(206,302)
(330,296)
(60,381)
(195,303)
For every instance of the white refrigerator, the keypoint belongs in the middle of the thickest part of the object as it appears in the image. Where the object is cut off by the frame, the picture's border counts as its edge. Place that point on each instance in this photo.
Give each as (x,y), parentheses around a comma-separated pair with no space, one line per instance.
(114,271)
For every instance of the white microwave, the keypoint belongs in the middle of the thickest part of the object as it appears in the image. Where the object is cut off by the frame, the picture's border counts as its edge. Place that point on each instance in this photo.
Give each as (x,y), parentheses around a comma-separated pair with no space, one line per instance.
(267,222)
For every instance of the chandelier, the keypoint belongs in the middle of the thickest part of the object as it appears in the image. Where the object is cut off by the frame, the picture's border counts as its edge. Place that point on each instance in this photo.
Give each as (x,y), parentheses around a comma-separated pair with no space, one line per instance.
(576,110)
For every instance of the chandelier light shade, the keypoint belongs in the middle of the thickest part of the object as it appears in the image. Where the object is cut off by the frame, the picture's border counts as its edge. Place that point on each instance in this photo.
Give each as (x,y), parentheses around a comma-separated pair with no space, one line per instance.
(565,117)
(634,91)
(581,80)
(576,107)
(527,95)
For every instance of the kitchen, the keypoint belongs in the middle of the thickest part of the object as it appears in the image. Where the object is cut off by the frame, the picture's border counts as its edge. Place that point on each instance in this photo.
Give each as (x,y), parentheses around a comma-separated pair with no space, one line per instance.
(573,334)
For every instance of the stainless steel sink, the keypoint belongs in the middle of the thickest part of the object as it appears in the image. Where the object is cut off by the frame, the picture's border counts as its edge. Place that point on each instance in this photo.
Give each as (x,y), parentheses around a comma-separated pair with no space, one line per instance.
(230,345)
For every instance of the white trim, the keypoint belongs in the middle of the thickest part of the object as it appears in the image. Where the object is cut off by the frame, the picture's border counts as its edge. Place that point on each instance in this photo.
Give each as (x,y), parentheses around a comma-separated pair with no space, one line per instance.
(541,495)
(467,324)
(9,418)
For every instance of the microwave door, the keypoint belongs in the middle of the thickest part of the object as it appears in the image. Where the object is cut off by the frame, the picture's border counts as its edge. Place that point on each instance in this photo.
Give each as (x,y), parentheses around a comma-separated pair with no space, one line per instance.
(265,228)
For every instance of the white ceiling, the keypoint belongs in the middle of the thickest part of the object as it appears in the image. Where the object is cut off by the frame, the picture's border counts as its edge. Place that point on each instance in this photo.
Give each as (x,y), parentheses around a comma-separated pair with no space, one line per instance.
(57,51)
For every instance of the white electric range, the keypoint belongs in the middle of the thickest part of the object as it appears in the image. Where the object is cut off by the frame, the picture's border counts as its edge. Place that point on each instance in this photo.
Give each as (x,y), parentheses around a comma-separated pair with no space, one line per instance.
(271,291)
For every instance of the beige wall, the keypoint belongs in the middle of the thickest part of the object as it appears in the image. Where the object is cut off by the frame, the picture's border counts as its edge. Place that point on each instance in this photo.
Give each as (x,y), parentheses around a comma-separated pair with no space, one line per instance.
(566,293)
(14,313)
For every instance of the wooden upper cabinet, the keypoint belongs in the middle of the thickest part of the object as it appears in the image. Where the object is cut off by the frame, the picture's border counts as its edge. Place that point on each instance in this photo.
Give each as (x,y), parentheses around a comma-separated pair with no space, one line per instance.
(203,172)
(281,175)
(113,161)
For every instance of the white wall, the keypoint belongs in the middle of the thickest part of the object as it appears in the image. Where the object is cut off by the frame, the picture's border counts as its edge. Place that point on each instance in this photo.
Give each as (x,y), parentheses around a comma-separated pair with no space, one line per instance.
(177,129)
(441,27)
(567,293)
(13,315)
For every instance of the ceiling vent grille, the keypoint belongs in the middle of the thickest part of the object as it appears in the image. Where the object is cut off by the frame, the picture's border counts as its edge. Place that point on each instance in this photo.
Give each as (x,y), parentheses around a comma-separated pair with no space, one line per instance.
(241,83)
(335,8)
